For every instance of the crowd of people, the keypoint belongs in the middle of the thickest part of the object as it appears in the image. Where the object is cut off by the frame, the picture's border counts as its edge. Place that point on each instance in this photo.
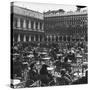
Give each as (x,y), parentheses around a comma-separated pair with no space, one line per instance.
(37,64)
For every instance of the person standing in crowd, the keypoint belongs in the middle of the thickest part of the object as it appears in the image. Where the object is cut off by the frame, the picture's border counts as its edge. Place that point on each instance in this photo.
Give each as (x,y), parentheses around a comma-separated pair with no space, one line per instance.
(83,80)
(65,78)
(45,77)
(32,75)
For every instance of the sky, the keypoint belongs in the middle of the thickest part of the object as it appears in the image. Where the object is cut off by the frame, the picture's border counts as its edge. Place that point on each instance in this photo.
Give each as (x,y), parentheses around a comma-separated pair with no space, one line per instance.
(43,7)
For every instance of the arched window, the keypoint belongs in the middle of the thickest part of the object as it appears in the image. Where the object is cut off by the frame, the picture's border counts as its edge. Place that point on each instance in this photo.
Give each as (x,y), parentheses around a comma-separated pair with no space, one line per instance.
(52,37)
(15,21)
(27,24)
(64,38)
(21,37)
(56,38)
(36,37)
(86,38)
(32,25)
(32,38)
(60,38)
(36,25)
(49,38)
(40,25)
(15,37)
(27,38)
(21,21)
(68,38)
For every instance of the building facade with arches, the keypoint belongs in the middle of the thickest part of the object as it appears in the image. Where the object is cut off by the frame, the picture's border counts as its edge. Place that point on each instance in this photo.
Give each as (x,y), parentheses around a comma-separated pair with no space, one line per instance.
(26,25)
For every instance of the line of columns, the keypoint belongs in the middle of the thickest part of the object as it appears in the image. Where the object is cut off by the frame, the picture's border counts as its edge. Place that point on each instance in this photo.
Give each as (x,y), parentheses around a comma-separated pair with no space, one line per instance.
(53,38)
(49,38)
(29,38)
(29,25)
(18,23)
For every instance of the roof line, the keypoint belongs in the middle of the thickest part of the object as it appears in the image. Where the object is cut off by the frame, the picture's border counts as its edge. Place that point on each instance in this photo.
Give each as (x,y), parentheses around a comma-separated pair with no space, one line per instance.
(27,9)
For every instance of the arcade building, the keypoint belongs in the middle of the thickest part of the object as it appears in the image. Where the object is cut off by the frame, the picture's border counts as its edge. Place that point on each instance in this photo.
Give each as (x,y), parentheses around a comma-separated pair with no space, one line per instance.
(51,26)
(61,26)
(27,25)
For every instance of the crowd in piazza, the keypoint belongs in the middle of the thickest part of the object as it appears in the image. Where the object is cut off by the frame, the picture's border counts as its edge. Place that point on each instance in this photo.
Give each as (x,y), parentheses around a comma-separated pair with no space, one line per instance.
(46,56)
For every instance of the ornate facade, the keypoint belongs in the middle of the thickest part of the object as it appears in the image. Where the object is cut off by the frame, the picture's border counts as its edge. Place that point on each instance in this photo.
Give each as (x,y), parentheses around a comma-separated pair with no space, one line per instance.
(65,26)
(52,26)
(27,25)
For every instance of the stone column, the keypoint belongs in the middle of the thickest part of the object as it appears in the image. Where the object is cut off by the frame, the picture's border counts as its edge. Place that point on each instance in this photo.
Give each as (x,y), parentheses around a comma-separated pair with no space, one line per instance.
(29,24)
(39,26)
(39,38)
(24,38)
(13,39)
(43,38)
(29,38)
(24,24)
(34,38)
(75,38)
(42,27)
(13,24)
(62,38)
(34,25)
(18,37)
(50,37)
(70,38)
(18,23)
(84,38)
(66,38)
(47,38)
(58,38)
(54,38)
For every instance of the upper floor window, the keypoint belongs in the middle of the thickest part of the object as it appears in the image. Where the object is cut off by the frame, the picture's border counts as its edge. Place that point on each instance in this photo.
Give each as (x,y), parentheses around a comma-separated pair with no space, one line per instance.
(15,22)
(27,24)
(21,22)
(32,25)
(36,25)
(40,25)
